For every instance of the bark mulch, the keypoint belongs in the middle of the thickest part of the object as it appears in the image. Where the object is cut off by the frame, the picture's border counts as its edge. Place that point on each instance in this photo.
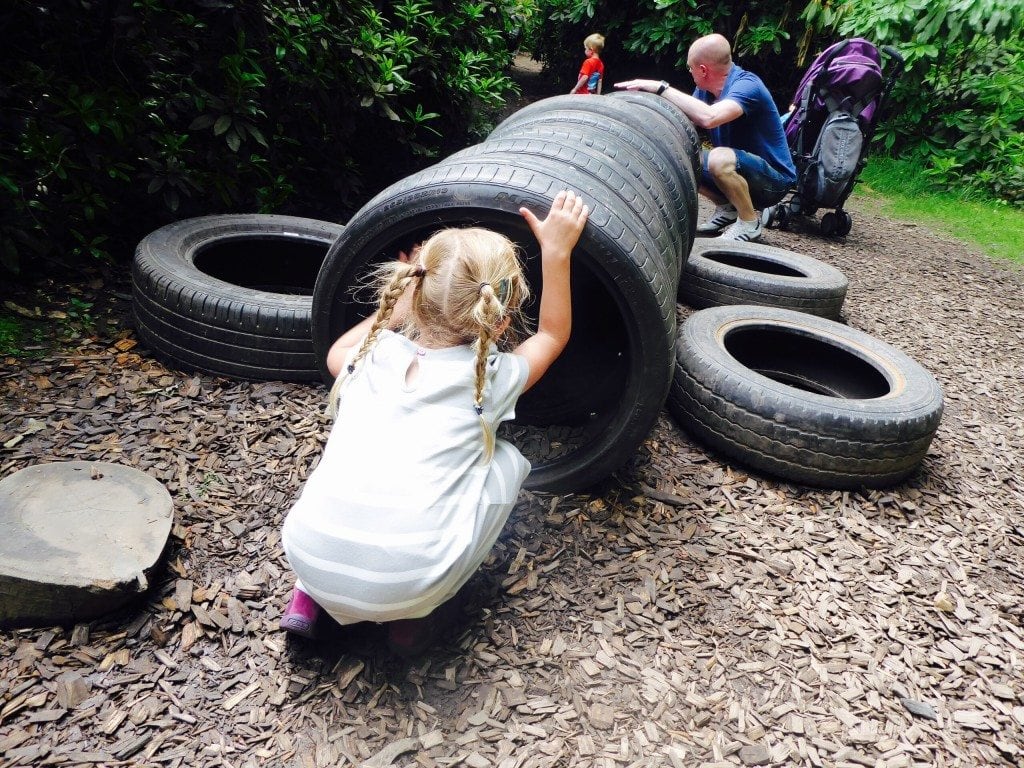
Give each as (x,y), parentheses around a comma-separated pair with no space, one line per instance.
(692,614)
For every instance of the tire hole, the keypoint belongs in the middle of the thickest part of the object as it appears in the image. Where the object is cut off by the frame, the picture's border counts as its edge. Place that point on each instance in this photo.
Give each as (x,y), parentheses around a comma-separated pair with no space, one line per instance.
(793,358)
(751,263)
(264,263)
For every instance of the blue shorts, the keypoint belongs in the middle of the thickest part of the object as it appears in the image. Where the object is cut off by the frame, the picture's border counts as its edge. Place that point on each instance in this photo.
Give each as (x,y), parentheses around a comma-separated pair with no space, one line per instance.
(767,186)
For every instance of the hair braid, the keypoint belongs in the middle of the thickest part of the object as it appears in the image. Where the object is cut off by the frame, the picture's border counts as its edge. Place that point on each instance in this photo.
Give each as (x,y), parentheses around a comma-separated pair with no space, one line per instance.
(485,311)
(389,296)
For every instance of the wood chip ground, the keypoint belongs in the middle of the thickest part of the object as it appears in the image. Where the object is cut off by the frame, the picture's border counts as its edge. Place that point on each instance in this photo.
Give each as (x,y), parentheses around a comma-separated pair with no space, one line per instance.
(693,615)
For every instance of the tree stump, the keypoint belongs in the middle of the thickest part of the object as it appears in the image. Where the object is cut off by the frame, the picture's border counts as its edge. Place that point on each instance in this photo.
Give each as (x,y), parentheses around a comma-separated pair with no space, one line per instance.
(77,540)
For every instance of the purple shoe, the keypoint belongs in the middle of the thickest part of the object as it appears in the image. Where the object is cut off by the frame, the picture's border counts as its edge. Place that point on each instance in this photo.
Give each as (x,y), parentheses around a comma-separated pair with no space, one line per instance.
(301,614)
(411,637)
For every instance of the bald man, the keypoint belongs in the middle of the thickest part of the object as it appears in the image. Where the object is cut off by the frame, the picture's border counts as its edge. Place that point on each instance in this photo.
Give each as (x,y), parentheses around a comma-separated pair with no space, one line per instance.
(749,165)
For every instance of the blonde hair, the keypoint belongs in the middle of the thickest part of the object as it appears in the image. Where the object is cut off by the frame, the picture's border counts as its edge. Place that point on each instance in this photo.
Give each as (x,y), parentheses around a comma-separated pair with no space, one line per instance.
(594,42)
(468,283)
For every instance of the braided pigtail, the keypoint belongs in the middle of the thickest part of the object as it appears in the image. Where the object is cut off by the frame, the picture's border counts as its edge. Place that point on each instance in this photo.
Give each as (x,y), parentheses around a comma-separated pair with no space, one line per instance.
(487,312)
(390,293)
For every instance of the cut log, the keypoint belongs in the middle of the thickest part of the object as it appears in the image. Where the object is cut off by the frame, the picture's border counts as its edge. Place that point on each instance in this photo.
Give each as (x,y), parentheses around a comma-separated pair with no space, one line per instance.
(77,540)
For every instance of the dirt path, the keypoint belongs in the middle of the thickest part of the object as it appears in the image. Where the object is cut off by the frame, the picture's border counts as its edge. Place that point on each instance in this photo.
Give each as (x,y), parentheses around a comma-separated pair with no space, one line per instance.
(695,615)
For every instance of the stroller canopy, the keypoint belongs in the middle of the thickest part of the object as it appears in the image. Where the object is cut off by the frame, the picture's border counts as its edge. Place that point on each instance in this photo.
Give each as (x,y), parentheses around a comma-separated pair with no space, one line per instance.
(847,76)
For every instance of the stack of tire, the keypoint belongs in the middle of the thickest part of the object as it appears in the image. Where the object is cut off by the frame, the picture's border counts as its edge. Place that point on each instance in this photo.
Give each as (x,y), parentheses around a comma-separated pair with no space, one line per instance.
(762,373)
(631,157)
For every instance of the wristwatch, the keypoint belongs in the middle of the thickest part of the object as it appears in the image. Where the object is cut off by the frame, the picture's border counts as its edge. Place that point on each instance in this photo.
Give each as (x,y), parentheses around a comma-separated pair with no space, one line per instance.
(662,88)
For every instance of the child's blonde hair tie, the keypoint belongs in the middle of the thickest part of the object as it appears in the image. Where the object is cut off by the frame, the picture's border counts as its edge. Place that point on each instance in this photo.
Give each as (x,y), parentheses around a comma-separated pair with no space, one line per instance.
(504,289)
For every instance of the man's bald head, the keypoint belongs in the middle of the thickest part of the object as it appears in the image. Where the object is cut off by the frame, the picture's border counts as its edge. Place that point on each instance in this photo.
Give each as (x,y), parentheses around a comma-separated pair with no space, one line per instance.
(712,51)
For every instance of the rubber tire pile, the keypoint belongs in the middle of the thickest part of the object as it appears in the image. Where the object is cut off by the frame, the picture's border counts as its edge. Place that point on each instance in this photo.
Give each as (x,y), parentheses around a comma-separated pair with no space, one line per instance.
(762,374)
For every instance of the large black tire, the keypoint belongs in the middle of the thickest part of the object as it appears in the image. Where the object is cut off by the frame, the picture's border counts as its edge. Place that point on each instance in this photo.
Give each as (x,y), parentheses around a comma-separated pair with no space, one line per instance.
(623,305)
(720,272)
(674,115)
(617,172)
(803,398)
(609,137)
(675,147)
(232,294)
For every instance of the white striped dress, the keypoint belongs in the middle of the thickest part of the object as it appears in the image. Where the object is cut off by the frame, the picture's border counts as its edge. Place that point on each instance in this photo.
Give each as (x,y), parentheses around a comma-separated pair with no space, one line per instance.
(401,511)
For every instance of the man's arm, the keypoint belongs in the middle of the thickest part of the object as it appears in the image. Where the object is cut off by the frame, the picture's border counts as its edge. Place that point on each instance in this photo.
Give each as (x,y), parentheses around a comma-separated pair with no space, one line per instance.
(703,115)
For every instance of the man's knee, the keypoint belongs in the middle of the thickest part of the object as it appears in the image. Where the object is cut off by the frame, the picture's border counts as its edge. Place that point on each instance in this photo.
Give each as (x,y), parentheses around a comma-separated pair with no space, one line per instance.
(721,160)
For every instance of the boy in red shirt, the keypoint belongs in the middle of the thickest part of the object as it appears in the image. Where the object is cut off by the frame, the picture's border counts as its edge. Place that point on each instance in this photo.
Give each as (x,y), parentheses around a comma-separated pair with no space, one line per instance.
(592,71)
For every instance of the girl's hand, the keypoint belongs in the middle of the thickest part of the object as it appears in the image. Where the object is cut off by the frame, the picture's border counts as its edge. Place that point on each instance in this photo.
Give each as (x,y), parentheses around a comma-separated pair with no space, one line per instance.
(557,235)
(559,232)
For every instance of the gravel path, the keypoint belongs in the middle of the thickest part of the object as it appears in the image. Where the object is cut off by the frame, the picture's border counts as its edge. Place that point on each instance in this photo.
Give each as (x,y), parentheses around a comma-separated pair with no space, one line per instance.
(692,615)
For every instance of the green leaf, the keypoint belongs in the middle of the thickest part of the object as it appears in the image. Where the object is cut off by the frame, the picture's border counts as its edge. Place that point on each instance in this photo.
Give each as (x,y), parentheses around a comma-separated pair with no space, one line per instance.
(200,123)
(233,140)
(257,134)
(222,124)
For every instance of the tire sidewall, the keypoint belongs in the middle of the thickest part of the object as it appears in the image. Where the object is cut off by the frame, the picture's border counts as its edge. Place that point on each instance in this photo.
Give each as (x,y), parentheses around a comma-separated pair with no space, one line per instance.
(702,353)
(819,288)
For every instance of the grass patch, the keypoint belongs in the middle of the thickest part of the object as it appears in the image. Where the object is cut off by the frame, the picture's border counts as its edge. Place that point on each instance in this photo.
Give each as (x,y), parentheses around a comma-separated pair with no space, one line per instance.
(995,228)
(10,336)
(20,337)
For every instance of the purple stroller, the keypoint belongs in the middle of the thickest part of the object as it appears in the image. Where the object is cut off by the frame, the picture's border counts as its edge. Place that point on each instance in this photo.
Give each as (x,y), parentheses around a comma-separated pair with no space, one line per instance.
(835,110)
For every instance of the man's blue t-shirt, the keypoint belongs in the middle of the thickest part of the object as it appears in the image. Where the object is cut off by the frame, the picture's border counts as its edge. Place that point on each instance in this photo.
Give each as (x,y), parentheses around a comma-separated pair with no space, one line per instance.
(759,129)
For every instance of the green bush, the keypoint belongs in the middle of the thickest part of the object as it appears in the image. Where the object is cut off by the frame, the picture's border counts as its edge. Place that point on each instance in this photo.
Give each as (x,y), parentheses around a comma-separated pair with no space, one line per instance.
(650,38)
(117,116)
(959,108)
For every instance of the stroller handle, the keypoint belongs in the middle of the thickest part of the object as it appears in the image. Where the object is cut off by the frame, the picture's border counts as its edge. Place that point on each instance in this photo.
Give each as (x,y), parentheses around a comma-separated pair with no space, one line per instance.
(892,53)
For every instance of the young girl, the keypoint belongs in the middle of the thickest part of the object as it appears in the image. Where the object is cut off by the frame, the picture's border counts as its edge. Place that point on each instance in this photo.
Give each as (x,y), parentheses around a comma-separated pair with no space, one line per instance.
(413,488)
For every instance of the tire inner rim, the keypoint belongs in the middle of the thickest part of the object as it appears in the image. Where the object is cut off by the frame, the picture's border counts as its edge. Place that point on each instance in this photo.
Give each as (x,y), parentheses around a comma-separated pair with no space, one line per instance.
(806,362)
(751,263)
(264,262)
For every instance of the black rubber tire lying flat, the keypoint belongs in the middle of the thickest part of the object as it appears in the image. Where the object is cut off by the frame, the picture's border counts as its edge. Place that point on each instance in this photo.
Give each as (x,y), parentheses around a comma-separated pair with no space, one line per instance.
(721,272)
(802,398)
(232,294)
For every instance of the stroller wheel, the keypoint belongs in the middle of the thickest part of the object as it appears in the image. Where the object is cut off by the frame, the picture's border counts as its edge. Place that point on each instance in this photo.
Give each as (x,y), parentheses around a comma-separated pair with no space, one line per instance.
(830,225)
(769,216)
(845,223)
(783,216)
(796,205)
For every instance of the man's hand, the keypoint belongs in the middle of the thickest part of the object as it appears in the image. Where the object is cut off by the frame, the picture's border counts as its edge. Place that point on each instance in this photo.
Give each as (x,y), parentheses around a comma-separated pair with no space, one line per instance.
(649,86)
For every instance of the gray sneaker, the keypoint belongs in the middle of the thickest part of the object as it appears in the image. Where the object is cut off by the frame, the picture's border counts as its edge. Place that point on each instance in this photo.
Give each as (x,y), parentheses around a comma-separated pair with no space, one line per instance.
(723,216)
(743,230)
